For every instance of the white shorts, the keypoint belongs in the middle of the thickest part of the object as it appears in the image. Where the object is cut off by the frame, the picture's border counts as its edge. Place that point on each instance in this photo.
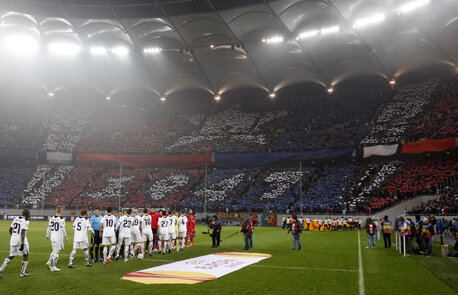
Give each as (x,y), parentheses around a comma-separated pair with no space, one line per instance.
(136,237)
(80,245)
(147,237)
(173,236)
(14,250)
(57,246)
(164,237)
(182,234)
(108,240)
(124,240)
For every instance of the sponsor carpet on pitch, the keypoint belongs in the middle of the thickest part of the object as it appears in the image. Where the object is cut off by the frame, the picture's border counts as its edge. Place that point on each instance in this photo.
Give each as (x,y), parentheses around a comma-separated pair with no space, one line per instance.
(196,270)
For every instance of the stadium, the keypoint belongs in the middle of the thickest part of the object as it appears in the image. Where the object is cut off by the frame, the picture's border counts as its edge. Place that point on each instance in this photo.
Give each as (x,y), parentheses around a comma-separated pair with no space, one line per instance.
(248,127)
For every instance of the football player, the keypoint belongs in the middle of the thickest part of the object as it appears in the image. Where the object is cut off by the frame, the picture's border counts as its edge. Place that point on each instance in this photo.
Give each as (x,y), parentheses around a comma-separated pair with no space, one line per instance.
(107,232)
(18,243)
(56,229)
(80,242)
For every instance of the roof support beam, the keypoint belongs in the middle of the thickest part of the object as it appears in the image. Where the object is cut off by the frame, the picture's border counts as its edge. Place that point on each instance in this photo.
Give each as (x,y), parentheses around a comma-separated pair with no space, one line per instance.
(250,59)
(369,49)
(192,53)
(324,79)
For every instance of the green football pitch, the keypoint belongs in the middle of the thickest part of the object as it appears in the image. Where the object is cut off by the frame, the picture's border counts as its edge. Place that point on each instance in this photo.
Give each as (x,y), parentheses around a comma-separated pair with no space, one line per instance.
(329,263)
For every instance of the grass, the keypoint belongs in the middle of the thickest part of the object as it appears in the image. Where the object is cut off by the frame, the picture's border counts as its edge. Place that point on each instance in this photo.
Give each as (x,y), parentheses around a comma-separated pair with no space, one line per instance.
(328,264)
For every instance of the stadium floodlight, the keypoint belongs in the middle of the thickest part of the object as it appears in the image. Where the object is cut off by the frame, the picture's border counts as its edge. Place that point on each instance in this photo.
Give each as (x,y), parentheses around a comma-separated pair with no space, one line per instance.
(330,90)
(273,39)
(51,94)
(120,51)
(409,6)
(217,97)
(64,48)
(107,97)
(212,46)
(98,50)
(392,82)
(308,34)
(330,30)
(152,50)
(21,44)
(162,98)
(272,94)
(370,20)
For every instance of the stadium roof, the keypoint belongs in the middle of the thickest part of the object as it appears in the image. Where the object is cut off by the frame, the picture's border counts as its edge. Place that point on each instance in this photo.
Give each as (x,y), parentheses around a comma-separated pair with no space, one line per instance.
(218,45)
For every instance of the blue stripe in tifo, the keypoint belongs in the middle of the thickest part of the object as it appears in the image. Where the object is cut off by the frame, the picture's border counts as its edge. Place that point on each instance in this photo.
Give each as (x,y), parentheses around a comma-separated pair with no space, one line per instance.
(271,158)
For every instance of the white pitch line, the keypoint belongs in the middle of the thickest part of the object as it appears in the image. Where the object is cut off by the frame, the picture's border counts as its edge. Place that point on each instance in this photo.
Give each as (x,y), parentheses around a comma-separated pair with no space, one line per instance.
(304,268)
(361,275)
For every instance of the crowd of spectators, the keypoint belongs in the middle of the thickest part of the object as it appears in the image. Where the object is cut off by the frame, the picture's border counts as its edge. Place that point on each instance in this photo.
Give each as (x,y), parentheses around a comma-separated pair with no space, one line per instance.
(393,122)
(446,204)
(11,182)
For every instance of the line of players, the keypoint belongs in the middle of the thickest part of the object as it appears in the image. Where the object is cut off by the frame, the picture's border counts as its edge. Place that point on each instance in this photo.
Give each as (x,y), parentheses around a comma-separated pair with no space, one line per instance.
(131,231)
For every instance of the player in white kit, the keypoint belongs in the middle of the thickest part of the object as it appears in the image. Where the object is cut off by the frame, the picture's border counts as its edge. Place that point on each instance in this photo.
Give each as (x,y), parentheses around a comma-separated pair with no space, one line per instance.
(172,232)
(135,234)
(182,230)
(107,232)
(80,241)
(56,229)
(18,243)
(147,233)
(124,224)
(163,227)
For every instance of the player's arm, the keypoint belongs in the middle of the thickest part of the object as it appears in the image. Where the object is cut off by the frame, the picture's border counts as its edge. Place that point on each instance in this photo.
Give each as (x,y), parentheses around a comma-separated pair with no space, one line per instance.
(48,231)
(22,240)
(101,226)
(64,230)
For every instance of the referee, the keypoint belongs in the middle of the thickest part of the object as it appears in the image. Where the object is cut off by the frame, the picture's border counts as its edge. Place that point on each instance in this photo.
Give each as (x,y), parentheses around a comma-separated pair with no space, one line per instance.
(216,225)
(96,240)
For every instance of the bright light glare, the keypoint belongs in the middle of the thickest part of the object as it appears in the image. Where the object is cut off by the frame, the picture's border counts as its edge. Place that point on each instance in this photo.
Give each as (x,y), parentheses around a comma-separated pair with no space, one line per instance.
(308,34)
(371,20)
(64,48)
(217,97)
(152,50)
(120,51)
(107,97)
(409,6)
(330,90)
(21,44)
(98,50)
(330,30)
(274,39)
(51,94)
(392,82)
(162,98)
(272,95)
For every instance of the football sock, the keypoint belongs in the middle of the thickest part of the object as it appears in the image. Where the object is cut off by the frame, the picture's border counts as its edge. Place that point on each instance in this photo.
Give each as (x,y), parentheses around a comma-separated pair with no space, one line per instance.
(72,256)
(56,257)
(92,252)
(5,263)
(126,251)
(118,250)
(105,253)
(24,266)
(86,256)
(112,249)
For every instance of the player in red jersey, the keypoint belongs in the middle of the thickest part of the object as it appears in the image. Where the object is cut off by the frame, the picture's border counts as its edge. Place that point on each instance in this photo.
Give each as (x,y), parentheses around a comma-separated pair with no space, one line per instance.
(154,219)
(193,228)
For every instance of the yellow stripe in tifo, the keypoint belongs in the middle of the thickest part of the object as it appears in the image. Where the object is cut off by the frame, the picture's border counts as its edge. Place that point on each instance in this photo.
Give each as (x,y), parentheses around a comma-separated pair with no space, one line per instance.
(168,277)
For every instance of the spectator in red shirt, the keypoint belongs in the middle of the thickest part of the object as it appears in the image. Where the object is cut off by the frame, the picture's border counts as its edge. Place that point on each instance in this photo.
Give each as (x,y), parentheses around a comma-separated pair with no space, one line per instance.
(247,230)
(154,219)
(370,229)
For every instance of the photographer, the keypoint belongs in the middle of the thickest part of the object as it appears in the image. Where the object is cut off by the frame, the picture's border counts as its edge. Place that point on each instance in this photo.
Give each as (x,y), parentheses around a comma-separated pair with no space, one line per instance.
(216,226)
(247,230)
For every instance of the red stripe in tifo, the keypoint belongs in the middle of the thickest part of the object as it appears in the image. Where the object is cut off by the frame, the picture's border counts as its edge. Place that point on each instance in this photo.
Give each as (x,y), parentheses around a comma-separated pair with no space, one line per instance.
(161,276)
